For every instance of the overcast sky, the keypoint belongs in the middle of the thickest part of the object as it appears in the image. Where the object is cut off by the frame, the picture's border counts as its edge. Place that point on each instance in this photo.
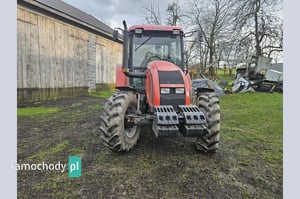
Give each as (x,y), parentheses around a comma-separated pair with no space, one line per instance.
(113,12)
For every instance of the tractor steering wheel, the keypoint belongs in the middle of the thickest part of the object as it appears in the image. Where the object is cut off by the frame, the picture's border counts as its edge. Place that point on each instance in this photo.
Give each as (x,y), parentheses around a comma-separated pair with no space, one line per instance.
(154,57)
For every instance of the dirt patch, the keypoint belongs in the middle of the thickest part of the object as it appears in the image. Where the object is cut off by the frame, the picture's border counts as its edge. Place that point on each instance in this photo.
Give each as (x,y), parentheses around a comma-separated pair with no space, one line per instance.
(156,168)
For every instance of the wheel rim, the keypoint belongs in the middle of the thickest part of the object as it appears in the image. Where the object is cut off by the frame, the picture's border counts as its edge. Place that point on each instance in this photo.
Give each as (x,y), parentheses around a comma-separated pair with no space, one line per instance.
(129,128)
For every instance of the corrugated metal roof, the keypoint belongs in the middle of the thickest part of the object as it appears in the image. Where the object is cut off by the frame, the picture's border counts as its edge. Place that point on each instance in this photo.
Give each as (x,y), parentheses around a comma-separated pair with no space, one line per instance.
(75,13)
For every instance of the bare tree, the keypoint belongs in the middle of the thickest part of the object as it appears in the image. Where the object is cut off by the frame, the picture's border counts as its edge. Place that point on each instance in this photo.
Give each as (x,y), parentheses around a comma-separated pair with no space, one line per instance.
(258,21)
(174,13)
(152,13)
(232,30)
(213,18)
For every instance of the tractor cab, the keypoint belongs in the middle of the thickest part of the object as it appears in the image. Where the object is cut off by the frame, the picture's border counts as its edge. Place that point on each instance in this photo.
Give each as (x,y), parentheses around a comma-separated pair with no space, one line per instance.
(149,43)
(146,43)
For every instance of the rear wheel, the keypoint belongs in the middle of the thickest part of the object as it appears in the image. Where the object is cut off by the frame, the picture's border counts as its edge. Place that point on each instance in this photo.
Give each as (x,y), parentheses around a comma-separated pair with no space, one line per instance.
(208,103)
(117,132)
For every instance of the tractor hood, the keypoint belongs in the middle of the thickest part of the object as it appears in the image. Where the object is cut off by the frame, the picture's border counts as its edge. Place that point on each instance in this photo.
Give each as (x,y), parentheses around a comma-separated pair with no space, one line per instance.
(162,65)
(166,83)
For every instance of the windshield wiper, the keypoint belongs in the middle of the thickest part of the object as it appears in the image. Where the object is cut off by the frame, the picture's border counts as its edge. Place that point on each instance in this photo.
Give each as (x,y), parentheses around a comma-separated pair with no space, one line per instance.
(142,44)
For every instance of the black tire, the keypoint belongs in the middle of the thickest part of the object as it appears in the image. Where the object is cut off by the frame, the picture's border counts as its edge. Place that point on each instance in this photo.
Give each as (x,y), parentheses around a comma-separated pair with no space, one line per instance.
(208,103)
(116,133)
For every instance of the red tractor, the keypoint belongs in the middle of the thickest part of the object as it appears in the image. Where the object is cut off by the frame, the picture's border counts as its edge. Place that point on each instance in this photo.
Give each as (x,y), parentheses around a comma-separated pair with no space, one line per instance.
(154,88)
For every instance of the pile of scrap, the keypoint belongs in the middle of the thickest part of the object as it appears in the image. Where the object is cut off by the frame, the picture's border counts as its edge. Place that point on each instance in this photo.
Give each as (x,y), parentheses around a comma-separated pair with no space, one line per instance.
(262,77)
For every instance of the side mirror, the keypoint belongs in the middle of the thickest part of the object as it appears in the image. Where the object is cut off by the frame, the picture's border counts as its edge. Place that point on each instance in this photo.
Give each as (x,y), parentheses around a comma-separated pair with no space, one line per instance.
(115,35)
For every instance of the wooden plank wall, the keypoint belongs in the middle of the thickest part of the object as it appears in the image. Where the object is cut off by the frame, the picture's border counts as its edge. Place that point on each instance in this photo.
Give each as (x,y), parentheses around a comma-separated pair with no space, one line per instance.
(109,54)
(53,54)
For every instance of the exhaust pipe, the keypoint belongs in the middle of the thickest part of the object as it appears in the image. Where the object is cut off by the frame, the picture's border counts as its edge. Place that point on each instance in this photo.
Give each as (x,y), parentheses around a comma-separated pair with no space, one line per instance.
(125,46)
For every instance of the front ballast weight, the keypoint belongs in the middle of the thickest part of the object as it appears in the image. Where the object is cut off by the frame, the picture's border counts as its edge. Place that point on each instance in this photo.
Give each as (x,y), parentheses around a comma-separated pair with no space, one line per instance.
(190,121)
(194,122)
(165,123)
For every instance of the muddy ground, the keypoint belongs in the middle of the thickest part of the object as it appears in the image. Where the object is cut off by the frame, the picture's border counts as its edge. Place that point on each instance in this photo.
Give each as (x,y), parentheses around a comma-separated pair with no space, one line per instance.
(156,168)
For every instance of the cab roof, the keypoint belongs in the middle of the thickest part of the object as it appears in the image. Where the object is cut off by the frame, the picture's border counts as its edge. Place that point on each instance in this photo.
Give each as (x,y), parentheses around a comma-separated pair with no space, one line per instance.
(156,27)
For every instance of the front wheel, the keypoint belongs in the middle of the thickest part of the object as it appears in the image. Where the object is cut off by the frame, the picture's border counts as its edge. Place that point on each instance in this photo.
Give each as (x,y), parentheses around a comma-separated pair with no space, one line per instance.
(208,103)
(117,133)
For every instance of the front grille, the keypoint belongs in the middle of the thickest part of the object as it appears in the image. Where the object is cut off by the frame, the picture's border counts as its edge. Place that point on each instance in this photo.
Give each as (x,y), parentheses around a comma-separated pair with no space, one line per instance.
(172,99)
(170,77)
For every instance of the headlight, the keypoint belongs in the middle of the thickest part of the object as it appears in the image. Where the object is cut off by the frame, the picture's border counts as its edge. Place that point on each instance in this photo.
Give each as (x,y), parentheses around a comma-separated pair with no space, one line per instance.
(164,90)
(179,90)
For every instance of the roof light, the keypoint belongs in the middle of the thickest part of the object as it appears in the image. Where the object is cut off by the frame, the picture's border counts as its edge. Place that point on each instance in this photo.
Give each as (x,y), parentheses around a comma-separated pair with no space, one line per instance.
(176,32)
(138,31)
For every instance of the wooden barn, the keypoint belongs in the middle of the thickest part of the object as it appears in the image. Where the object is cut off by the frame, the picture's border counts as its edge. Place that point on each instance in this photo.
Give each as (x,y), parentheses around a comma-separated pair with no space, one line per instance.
(62,51)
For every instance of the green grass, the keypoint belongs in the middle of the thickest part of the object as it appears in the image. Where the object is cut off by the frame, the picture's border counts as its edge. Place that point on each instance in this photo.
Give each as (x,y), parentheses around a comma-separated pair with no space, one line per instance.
(50,151)
(33,111)
(255,119)
(76,104)
(103,93)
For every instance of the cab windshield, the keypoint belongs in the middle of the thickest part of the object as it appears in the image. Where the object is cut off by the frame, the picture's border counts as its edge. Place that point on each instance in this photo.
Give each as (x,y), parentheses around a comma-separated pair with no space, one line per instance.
(154,45)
